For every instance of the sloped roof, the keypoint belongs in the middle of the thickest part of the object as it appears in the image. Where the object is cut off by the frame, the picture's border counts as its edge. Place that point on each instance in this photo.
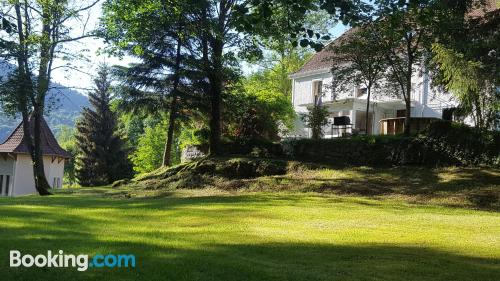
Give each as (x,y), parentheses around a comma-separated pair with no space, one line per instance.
(322,59)
(16,142)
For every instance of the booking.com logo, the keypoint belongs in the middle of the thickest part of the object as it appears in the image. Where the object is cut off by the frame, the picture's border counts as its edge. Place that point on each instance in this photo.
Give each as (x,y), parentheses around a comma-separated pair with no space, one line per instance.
(81,262)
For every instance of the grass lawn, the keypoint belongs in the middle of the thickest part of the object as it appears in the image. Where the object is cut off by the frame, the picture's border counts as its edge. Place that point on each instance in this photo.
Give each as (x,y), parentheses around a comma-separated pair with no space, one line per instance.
(214,235)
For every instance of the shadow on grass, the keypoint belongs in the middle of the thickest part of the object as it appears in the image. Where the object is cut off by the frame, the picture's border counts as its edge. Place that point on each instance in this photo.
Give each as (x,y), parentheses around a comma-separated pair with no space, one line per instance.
(481,187)
(80,224)
(271,261)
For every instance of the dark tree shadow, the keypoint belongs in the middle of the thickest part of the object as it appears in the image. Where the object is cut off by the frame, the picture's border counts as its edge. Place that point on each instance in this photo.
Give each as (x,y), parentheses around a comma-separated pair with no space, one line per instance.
(480,187)
(171,254)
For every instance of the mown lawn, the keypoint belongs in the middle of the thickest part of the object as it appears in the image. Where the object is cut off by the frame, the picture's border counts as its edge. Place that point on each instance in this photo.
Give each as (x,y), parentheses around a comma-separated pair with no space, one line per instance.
(200,235)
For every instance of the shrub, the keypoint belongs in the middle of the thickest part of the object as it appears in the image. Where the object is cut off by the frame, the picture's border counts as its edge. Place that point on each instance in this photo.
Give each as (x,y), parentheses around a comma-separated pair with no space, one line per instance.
(359,150)
(252,147)
(316,119)
(442,143)
(467,145)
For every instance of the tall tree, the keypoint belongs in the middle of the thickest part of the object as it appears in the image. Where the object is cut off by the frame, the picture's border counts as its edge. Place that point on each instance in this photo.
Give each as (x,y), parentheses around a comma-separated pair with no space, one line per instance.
(36,34)
(358,60)
(157,33)
(467,66)
(101,157)
(406,30)
(220,29)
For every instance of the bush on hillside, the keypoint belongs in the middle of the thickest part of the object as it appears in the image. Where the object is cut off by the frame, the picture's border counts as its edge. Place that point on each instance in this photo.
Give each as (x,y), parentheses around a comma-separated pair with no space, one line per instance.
(442,143)
(252,147)
(467,145)
(361,150)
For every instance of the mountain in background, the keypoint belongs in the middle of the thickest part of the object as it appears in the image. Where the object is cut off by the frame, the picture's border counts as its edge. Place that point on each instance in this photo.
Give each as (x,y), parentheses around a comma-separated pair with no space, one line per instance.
(63,107)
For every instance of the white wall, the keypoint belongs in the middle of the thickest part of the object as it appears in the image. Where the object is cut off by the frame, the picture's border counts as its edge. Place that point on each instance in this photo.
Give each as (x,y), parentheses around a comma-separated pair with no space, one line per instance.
(23,180)
(426,101)
(303,92)
(54,170)
(6,169)
(6,165)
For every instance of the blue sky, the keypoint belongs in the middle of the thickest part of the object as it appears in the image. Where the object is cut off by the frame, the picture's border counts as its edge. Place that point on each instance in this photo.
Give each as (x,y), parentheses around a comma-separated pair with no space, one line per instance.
(79,76)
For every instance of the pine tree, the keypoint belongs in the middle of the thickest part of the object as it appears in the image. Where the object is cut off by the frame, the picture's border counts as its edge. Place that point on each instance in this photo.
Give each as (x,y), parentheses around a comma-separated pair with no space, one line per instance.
(101,158)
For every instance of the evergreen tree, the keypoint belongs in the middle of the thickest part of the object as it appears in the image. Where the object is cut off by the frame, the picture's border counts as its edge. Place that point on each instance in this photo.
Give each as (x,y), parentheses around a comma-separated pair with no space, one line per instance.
(101,158)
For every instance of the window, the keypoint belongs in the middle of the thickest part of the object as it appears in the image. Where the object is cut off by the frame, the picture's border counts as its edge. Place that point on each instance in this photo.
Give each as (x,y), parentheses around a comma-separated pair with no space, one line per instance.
(1,184)
(58,183)
(54,183)
(361,92)
(317,91)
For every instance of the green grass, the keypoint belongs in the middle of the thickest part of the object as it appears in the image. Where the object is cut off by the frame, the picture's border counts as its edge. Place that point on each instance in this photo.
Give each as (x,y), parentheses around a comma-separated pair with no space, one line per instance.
(464,187)
(216,235)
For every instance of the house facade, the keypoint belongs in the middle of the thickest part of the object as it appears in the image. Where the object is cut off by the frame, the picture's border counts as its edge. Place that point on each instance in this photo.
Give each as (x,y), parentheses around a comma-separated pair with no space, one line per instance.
(312,84)
(16,168)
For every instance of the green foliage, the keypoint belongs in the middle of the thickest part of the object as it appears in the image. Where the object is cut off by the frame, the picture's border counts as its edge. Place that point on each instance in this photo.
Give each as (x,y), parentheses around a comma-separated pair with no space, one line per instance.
(191,135)
(149,153)
(472,83)
(257,115)
(131,126)
(101,158)
(274,77)
(358,60)
(261,107)
(253,148)
(468,145)
(358,151)
(442,143)
(67,140)
(315,119)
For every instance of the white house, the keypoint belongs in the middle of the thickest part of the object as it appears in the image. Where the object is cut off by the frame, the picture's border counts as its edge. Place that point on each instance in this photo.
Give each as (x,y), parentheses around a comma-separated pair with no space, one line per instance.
(16,168)
(386,115)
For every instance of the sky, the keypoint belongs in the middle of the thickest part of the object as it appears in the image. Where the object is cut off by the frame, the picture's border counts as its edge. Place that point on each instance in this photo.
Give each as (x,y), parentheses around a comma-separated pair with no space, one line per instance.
(80,75)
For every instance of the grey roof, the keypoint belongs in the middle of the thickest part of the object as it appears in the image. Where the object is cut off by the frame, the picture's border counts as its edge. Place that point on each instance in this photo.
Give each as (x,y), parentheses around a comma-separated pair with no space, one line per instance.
(16,142)
(322,60)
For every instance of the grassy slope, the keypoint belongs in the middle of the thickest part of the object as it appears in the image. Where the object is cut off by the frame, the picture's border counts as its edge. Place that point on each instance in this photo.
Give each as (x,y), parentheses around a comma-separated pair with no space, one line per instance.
(477,188)
(210,235)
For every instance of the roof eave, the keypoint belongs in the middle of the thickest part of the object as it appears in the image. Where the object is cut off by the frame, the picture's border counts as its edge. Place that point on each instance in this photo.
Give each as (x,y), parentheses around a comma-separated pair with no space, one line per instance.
(309,73)
(48,154)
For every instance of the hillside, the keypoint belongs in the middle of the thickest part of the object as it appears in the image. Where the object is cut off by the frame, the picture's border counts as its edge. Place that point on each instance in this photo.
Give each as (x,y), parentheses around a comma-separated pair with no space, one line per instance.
(64,107)
(463,187)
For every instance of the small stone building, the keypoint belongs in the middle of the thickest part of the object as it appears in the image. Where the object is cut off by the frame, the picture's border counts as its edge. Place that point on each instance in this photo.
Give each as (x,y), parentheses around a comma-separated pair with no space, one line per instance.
(16,167)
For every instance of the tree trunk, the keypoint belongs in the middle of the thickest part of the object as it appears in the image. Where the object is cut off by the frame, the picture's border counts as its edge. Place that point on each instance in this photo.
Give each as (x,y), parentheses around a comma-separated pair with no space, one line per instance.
(407,118)
(41,183)
(367,109)
(477,109)
(409,73)
(167,153)
(215,128)
(32,137)
(216,82)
